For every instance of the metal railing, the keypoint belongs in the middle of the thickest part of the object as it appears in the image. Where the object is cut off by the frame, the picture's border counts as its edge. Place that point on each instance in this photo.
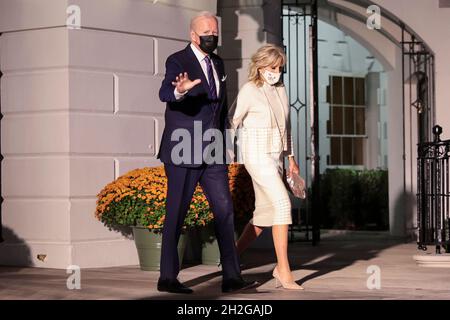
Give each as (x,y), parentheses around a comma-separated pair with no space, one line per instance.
(433,198)
(299,23)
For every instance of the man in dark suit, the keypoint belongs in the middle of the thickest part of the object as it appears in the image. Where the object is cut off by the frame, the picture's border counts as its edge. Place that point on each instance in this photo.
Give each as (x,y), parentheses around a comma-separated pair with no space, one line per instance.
(193,107)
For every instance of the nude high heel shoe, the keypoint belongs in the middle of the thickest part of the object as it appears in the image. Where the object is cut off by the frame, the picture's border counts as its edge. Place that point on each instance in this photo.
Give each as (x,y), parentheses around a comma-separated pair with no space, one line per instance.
(286,285)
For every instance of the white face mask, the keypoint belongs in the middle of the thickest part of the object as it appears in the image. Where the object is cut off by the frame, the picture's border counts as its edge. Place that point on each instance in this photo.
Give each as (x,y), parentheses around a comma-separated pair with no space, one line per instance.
(271,77)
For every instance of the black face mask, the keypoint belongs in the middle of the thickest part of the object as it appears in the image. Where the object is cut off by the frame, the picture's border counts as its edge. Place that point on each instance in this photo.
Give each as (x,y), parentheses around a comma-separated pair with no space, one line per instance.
(208,43)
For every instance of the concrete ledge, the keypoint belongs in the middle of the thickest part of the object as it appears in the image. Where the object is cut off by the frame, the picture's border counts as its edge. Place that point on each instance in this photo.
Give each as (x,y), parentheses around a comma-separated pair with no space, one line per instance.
(433,260)
(54,255)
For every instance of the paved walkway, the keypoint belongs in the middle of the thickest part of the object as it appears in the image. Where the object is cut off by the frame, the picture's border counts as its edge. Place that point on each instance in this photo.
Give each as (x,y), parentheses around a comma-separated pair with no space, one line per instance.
(336,269)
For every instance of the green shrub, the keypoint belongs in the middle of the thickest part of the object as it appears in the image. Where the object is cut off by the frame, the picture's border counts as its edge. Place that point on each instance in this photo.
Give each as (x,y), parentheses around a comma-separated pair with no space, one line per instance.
(355,200)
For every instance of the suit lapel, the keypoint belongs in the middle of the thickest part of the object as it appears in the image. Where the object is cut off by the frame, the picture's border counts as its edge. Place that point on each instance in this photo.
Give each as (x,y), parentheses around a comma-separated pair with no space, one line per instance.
(199,74)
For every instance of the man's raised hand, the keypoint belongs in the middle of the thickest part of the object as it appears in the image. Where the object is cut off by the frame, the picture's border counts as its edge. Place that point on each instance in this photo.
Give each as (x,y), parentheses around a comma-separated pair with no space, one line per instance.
(183,83)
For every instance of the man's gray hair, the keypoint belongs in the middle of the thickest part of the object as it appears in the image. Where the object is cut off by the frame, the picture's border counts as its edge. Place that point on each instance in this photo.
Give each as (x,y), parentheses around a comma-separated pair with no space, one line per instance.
(203,14)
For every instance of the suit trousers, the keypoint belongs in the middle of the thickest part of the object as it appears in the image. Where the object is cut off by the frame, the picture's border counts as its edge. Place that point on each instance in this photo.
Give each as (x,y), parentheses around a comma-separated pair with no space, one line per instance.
(181,185)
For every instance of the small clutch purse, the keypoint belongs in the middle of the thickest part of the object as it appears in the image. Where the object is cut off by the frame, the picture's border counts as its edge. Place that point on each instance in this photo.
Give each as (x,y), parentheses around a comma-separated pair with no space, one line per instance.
(296,185)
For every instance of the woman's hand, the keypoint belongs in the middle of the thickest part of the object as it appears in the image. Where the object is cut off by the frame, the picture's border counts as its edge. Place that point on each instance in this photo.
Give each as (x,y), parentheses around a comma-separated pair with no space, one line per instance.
(183,83)
(293,166)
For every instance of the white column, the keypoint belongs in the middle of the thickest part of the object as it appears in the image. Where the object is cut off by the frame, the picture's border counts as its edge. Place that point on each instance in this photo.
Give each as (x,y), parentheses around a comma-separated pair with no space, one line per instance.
(80,108)
(246,26)
(397,219)
(372,156)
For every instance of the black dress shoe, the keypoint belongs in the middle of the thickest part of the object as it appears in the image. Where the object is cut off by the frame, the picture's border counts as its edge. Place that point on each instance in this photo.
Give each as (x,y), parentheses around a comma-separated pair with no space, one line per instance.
(173,286)
(232,285)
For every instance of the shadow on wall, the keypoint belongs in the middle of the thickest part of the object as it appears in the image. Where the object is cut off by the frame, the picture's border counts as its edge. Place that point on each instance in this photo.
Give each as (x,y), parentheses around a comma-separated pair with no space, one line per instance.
(402,220)
(125,231)
(14,250)
(410,215)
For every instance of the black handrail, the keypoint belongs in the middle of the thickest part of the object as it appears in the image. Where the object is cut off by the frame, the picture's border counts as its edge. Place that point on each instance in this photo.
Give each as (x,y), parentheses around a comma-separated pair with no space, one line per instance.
(433,197)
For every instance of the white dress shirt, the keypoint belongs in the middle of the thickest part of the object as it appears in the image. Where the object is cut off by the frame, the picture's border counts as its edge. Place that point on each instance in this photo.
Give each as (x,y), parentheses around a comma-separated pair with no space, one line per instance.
(201,59)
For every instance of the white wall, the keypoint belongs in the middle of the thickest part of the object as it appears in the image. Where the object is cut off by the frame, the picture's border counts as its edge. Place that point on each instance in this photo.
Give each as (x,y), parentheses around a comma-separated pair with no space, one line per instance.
(80,108)
(432,24)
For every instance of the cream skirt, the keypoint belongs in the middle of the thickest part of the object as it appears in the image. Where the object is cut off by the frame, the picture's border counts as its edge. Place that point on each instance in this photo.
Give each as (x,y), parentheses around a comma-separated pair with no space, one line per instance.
(272,203)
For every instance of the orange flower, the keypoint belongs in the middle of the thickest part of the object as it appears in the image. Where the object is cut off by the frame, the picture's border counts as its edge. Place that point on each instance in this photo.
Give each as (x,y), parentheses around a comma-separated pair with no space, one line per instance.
(148,187)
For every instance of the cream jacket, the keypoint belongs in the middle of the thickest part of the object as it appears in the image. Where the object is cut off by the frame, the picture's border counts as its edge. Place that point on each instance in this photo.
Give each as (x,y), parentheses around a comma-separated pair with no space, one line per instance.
(260,118)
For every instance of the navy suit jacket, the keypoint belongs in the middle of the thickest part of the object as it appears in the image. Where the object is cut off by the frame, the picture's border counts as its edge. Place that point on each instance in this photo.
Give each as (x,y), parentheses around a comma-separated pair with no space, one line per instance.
(196,105)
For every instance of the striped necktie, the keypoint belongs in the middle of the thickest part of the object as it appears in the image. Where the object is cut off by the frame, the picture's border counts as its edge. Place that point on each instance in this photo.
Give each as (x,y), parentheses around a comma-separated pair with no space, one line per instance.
(211,80)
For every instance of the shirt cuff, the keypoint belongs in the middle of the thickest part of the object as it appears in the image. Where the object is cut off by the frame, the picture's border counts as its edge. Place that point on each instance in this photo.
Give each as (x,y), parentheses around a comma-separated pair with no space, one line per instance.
(178,95)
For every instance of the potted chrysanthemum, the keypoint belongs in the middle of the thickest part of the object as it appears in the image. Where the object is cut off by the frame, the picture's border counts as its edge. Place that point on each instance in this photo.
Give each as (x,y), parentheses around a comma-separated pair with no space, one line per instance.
(138,199)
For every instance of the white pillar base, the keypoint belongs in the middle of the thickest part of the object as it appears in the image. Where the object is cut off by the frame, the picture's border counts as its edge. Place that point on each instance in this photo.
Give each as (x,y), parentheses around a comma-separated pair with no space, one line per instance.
(433,260)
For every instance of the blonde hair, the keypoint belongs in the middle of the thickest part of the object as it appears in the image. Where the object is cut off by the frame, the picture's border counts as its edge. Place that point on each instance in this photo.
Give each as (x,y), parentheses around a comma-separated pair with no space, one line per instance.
(267,55)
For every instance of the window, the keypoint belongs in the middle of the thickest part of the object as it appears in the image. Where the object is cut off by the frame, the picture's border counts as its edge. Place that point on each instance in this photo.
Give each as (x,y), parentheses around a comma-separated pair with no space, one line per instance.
(346,127)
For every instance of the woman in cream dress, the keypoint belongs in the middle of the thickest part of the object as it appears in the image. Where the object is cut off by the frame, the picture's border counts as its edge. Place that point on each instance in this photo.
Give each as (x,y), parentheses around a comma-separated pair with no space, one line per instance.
(262,123)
